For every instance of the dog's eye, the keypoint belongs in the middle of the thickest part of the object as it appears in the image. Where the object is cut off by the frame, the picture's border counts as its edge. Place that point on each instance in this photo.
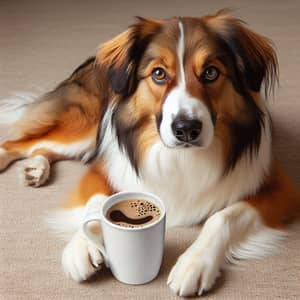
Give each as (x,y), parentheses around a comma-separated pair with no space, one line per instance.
(210,74)
(159,76)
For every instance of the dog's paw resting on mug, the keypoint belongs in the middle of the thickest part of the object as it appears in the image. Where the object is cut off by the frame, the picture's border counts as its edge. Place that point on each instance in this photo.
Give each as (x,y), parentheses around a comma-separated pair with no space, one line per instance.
(81,259)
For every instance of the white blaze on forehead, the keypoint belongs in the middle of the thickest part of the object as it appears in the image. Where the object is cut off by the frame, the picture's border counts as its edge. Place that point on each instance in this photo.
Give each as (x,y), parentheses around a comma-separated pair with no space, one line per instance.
(180,53)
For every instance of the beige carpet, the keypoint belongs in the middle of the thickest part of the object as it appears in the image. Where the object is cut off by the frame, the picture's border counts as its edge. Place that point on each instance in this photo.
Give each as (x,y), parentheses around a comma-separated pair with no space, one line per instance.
(40,43)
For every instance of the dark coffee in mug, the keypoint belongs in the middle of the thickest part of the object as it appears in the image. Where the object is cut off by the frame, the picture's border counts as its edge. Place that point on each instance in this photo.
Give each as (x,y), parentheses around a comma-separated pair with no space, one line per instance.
(133,213)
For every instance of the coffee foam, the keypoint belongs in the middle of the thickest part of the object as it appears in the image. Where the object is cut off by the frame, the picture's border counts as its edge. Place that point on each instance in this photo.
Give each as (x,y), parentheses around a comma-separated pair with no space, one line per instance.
(128,213)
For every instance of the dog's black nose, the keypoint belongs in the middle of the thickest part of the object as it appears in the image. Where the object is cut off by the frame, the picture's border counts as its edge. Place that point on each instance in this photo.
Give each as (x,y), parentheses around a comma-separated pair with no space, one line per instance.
(186,130)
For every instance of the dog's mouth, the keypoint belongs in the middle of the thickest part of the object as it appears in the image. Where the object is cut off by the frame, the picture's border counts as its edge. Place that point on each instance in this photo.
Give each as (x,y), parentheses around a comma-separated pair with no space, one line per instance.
(182,145)
(188,145)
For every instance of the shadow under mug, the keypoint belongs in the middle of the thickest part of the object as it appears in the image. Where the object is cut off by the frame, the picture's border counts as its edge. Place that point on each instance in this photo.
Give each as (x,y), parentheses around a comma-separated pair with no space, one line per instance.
(134,255)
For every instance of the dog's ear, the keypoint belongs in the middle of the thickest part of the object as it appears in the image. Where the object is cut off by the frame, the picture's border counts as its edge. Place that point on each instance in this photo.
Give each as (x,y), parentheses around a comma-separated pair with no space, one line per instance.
(121,55)
(252,55)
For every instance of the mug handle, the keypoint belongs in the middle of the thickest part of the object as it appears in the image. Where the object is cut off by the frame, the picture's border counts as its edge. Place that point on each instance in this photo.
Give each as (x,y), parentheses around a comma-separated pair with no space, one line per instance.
(92,217)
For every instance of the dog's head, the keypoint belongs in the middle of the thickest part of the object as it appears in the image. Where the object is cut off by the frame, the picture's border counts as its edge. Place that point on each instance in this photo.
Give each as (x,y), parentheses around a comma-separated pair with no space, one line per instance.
(187,81)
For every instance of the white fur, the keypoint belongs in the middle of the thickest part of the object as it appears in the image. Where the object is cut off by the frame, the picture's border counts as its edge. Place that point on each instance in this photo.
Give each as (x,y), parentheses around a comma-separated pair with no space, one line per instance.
(121,174)
(258,245)
(180,54)
(65,222)
(11,110)
(82,148)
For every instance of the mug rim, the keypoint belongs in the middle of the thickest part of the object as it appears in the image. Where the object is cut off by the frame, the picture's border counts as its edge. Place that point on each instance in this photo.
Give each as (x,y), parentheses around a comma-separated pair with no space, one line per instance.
(122,196)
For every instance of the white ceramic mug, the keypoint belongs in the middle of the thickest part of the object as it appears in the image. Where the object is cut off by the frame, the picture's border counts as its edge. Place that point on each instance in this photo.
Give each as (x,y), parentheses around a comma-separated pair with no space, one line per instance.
(134,255)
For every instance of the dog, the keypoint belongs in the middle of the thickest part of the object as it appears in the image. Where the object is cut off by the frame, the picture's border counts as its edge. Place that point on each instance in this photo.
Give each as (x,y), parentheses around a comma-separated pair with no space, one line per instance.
(173,107)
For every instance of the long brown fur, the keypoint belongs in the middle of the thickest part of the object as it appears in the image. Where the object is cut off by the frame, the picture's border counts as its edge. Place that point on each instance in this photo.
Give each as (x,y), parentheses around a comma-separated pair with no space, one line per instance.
(73,111)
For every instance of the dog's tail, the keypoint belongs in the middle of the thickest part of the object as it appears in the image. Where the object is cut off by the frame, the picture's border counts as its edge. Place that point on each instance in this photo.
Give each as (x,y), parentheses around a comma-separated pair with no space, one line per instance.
(65,222)
(12,110)
(26,114)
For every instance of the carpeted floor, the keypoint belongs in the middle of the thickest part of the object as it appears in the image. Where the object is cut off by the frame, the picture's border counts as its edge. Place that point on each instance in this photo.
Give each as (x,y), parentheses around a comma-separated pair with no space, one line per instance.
(41,42)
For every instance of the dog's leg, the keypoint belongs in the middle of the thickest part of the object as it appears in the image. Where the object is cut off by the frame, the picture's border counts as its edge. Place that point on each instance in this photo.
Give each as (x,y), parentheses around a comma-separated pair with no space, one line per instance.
(7,157)
(197,269)
(62,124)
(80,258)
(246,229)
(42,151)
(37,159)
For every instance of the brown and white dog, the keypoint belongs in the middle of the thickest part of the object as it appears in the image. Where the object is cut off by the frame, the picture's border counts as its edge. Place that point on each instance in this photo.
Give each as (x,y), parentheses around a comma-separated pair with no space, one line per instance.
(171,107)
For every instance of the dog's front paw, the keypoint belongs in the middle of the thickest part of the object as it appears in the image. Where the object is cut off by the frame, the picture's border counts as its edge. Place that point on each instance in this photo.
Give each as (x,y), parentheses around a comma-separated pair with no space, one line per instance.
(193,274)
(81,259)
(35,171)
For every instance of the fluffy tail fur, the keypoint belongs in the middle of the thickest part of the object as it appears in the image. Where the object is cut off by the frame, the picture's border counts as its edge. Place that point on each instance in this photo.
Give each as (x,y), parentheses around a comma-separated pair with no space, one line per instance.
(12,109)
